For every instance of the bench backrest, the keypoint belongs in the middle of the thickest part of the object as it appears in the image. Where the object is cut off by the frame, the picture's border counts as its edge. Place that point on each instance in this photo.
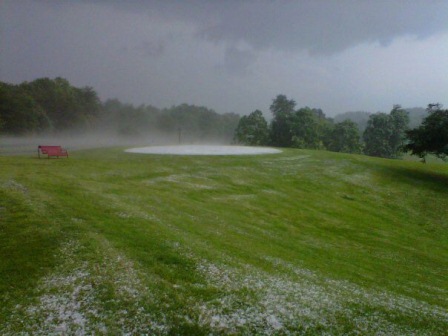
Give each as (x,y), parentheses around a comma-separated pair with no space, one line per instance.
(52,150)
(44,148)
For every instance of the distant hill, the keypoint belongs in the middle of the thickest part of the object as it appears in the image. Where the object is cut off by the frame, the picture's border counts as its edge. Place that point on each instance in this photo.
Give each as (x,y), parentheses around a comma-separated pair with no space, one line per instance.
(416,115)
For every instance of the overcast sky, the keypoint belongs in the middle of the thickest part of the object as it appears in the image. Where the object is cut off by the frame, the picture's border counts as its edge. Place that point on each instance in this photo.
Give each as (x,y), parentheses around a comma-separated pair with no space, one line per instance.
(234,56)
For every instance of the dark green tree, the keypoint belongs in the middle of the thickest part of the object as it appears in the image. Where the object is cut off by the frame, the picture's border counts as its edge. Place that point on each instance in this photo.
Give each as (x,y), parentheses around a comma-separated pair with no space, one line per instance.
(432,136)
(306,129)
(282,110)
(344,137)
(88,105)
(384,134)
(399,120)
(318,113)
(252,130)
(309,128)
(56,97)
(19,112)
(377,135)
(66,106)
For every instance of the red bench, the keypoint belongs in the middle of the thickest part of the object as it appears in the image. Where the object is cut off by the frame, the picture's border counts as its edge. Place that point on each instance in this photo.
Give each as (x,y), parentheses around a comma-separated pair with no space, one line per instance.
(51,151)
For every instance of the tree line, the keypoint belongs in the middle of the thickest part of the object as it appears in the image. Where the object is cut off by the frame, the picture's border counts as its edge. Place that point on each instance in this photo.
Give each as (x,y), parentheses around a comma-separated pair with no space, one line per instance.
(45,104)
(54,105)
(384,135)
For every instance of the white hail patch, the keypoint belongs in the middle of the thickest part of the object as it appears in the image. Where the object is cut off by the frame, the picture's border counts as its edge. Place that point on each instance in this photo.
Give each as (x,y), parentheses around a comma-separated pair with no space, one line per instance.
(204,150)
(74,300)
(257,302)
(188,181)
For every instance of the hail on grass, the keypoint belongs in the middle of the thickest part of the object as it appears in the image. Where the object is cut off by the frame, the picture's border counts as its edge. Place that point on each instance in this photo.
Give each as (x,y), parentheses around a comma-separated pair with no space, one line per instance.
(298,301)
(84,298)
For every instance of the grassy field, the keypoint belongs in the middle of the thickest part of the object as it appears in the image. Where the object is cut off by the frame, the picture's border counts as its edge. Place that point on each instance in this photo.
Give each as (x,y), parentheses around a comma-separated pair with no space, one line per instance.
(303,242)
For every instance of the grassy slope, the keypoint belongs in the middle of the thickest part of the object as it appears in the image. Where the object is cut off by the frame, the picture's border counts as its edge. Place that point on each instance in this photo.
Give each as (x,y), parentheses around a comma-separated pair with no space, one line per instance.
(172,244)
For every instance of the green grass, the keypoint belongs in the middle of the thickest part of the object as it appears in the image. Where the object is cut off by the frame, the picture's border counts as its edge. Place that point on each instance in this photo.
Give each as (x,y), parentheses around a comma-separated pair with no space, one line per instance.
(303,242)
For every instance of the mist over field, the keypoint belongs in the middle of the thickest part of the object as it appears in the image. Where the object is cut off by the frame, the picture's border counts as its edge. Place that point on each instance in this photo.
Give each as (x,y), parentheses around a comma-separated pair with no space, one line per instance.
(24,145)
(27,145)
(56,112)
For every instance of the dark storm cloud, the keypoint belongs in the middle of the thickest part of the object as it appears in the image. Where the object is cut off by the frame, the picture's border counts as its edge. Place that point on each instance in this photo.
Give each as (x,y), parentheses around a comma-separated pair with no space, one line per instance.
(331,26)
(237,61)
(152,48)
(233,55)
(322,27)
